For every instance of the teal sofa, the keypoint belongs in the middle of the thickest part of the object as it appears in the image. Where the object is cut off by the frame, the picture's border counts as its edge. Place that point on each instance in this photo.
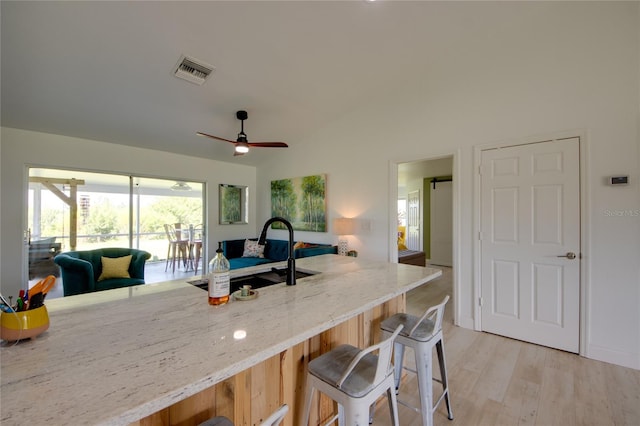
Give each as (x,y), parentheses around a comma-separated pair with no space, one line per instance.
(81,269)
(274,251)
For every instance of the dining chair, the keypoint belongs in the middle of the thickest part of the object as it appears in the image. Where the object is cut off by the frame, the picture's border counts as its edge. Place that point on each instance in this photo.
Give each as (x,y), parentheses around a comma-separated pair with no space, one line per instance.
(178,247)
(195,246)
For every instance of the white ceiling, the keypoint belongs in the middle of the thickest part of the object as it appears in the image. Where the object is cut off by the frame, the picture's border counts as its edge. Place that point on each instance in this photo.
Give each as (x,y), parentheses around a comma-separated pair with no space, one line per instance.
(103,70)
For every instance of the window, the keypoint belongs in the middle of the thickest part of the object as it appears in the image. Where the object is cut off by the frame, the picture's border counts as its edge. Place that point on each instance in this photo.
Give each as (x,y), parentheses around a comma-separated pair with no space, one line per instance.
(77,210)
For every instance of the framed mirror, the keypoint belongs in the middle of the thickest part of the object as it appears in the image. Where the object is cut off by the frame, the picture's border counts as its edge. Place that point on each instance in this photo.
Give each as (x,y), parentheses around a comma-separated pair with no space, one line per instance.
(233,201)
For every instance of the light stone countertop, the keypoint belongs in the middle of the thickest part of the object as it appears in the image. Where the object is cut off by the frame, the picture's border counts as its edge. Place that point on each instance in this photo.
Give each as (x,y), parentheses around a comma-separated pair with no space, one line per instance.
(117,356)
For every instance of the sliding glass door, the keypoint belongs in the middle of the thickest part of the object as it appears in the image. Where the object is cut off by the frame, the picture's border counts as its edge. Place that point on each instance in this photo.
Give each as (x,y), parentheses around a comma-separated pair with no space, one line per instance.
(77,210)
(158,202)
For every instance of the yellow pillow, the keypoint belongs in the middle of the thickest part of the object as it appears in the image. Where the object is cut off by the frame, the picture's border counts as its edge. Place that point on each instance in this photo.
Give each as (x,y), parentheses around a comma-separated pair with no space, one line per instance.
(115,267)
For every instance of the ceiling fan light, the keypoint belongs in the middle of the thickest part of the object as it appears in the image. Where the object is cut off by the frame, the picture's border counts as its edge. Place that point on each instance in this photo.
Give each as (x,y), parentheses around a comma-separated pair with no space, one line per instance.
(242,148)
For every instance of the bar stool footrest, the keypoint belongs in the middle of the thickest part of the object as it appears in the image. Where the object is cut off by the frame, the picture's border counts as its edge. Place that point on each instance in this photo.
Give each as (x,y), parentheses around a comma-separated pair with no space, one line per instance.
(332,420)
(401,402)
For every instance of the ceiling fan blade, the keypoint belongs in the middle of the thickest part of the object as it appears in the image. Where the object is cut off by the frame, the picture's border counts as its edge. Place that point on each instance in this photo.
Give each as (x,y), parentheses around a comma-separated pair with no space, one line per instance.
(268,144)
(242,145)
(215,137)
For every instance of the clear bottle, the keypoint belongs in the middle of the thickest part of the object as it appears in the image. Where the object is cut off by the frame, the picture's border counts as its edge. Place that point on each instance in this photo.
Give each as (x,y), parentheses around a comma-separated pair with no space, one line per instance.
(219,281)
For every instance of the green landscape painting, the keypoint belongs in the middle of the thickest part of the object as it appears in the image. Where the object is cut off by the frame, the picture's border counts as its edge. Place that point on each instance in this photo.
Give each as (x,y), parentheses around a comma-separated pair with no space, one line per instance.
(233,201)
(301,201)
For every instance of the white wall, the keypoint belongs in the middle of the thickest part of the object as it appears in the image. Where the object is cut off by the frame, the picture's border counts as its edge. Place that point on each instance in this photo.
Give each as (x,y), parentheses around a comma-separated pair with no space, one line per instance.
(21,148)
(529,69)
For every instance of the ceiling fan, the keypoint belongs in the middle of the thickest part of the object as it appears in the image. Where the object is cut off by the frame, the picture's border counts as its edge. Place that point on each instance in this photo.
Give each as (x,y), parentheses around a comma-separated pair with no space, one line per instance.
(242,144)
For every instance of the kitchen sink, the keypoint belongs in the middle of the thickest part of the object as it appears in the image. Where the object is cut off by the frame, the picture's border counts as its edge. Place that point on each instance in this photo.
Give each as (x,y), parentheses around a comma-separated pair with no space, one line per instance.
(259,280)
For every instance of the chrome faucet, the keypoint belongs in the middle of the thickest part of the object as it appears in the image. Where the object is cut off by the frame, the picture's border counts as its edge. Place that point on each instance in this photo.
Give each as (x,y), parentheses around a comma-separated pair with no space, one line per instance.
(291,263)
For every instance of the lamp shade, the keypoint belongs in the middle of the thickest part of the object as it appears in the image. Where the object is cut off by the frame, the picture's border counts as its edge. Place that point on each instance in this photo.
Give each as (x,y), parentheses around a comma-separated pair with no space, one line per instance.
(344,226)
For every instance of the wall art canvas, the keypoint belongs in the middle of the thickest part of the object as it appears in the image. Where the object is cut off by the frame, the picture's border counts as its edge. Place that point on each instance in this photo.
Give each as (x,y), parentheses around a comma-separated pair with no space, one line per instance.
(302,201)
(233,204)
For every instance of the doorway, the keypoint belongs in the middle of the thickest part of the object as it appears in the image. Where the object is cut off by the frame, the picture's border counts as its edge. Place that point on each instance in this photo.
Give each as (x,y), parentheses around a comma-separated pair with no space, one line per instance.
(417,176)
(417,182)
(441,222)
(414,221)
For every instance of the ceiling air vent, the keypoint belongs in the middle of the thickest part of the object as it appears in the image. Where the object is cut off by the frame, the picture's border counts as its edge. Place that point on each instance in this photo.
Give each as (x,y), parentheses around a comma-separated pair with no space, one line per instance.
(192,70)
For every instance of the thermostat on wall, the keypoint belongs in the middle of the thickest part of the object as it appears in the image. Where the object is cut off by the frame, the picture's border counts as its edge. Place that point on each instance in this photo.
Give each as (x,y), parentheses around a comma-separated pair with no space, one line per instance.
(618,180)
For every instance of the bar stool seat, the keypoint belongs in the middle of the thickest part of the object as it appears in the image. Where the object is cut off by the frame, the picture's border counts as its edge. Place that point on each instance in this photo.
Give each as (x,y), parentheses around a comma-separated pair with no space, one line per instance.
(355,379)
(421,334)
(273,420)
(217,421)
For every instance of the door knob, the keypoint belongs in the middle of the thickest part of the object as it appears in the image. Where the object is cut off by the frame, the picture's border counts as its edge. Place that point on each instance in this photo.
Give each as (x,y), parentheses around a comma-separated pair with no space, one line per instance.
(569,255)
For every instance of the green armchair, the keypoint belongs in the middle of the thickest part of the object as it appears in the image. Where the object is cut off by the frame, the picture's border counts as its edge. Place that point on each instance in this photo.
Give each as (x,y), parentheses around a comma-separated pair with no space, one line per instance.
(81,269)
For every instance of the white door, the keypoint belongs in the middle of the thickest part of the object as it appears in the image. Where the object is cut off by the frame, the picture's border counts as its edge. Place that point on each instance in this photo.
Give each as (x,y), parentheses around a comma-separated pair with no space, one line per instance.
(441,224)
(413,221)
(530,243)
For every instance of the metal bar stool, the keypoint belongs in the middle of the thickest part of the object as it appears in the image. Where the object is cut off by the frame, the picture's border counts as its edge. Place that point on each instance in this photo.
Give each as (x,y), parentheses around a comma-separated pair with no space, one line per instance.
(276,418)
(273,420)
(177,247)
(355,379)
(217,421)
(195,245)
(421,334)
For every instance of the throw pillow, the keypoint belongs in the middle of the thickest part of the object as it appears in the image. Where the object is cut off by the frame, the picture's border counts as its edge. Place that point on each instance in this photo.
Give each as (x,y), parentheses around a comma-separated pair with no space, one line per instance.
(253,249)
(115,267)
(301,245)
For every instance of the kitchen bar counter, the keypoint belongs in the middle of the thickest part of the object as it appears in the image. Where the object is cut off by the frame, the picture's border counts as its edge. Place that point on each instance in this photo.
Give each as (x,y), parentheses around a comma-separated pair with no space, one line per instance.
(118,356)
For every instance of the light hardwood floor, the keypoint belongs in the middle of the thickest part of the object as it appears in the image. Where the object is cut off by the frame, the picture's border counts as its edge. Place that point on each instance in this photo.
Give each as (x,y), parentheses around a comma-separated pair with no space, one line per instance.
(494,380)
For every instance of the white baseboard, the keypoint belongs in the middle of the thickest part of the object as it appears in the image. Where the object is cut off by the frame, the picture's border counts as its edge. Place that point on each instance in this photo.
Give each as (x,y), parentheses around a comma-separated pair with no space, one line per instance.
(466,323)
(624,359)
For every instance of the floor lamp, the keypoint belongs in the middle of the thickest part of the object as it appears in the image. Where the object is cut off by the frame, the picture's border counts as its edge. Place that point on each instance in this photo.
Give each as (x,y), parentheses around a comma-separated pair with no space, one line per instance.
(342,227)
